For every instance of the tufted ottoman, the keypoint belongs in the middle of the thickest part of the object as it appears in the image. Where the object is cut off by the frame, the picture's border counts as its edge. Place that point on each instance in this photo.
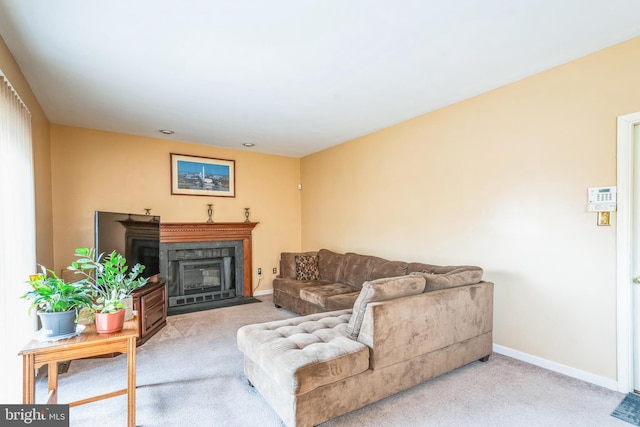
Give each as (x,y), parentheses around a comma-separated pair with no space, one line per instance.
(295,356)
(304,353)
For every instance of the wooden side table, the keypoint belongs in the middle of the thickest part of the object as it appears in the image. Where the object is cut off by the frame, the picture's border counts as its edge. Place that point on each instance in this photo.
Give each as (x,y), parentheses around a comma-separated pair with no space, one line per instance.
(88,344)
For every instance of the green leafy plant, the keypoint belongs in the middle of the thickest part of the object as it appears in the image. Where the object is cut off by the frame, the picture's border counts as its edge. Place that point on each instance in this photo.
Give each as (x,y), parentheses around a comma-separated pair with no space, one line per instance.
(52,294)
(109,277)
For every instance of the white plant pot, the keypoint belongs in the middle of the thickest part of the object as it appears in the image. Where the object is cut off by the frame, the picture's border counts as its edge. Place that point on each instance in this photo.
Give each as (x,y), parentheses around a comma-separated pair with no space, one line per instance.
(128,308)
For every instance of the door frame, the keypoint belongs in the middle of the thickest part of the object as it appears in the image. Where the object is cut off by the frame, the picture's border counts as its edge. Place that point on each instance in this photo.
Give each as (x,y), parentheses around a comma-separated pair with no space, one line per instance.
(624,290)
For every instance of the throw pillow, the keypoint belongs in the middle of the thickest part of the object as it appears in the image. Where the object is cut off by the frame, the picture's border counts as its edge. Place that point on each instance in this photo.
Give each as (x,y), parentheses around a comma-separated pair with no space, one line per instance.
(382,290)
(307,267)
(288,263)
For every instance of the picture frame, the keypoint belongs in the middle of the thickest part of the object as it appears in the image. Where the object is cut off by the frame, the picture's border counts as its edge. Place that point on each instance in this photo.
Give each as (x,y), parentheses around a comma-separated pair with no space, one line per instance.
(202,176)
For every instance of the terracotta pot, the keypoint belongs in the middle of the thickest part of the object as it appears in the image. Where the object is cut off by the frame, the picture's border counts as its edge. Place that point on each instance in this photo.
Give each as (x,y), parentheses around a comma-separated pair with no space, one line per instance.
(108,323)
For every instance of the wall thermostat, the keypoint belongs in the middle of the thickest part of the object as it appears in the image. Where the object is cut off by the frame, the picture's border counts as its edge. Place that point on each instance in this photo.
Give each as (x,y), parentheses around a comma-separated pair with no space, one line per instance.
(602,199)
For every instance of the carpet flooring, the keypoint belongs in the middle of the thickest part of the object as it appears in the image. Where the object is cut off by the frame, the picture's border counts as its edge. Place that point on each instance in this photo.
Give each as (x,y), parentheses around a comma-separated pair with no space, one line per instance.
(190,374)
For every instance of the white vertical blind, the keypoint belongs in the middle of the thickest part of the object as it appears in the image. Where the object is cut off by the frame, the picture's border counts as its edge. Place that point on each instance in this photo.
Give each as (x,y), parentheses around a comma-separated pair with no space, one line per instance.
(17,236)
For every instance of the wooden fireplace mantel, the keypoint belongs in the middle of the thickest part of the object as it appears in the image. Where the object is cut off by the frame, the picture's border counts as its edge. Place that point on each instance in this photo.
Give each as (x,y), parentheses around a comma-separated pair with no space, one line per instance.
(171,232)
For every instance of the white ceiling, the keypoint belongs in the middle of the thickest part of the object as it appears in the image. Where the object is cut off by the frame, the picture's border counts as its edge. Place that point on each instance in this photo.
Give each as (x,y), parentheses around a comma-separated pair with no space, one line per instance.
(292,76)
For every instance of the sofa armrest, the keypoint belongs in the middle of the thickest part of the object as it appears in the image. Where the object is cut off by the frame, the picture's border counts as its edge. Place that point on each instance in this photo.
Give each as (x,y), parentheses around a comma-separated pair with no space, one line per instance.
(407,327)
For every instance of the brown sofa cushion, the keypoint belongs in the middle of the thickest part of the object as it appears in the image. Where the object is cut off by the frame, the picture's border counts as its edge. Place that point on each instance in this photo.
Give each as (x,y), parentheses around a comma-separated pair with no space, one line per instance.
(382,290)
(418,267)
(307,267)
(354,270)
(293,287)
(319,294)
(342,301)
(457,276)
(378,268)
(330,265)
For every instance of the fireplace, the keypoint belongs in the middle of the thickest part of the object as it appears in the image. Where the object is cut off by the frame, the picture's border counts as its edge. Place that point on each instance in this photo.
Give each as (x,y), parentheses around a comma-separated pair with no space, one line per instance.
(205,265)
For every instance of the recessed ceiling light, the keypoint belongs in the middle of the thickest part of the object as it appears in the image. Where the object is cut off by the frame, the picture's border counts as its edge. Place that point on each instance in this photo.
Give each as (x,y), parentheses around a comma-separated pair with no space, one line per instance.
(166,131)
(248,144)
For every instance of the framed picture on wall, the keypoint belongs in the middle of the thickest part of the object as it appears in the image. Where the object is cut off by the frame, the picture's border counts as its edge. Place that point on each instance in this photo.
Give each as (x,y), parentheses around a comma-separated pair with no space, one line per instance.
(202,176)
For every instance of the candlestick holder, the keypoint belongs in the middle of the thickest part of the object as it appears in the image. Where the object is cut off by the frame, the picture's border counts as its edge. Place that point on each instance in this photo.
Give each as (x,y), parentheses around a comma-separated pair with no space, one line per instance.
(210,212)
(246,215)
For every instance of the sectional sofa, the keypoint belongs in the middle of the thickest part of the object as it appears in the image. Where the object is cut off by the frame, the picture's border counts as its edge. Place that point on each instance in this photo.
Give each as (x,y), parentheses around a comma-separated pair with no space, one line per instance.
(398,331)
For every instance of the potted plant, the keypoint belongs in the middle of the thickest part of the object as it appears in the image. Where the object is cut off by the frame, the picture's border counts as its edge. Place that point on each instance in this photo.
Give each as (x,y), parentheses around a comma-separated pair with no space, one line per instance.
(57,302)
(111,281)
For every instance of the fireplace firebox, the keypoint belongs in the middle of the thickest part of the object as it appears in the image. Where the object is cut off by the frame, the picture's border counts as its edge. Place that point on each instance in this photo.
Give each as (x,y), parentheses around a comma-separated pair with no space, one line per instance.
(204,280)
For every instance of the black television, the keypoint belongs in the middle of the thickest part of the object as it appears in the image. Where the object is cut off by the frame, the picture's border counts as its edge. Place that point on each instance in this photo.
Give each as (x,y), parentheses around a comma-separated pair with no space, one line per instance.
(135,236)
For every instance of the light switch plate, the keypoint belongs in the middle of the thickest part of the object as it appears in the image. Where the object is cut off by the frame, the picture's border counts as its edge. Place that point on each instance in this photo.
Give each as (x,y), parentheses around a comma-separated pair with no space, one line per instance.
(604,218)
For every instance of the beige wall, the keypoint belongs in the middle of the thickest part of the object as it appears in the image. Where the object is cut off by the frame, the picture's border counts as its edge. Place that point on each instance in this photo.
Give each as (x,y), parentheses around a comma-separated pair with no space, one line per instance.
(499,181)
(95,170)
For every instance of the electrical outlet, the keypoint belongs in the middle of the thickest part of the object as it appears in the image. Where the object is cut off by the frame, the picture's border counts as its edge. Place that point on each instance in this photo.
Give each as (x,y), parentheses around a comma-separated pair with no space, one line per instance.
(259,271)
(275,270)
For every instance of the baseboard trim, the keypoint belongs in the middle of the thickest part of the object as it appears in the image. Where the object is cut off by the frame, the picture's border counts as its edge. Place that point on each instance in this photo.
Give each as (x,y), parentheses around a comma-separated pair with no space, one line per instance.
(557,367)
(266,292)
